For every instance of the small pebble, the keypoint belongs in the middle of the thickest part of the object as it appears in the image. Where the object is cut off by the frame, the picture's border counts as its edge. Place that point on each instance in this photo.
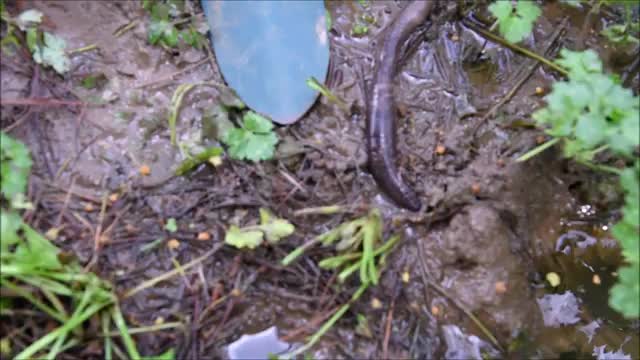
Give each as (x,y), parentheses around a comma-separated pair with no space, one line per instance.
(376,303)
(596,279)
(553,279)
(204,236)
(145,170)
(173,244)
(406,277)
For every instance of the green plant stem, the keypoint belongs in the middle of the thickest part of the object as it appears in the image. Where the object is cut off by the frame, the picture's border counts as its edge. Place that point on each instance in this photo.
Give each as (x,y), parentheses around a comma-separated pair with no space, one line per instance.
(299,251)
(337,261)
(516,48)
(599,167)
(537,150)
(327,325)
(321,210)
(344,274)
(146,329)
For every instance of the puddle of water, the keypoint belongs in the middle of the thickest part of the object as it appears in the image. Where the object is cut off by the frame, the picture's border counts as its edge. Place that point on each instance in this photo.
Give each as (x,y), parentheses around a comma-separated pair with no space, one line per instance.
(261,346)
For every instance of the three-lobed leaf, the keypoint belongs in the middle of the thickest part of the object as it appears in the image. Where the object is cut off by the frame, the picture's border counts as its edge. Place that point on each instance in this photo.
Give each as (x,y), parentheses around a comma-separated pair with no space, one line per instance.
(243,239)
(274,228)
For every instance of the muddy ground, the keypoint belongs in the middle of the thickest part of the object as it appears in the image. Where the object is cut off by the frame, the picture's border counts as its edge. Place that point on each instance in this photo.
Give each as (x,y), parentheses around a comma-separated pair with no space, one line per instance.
(482,244)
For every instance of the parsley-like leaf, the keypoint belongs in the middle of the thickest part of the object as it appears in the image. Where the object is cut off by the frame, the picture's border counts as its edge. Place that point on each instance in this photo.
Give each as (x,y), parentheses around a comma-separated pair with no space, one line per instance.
(590,109)
(52,53)
(15,165)
(254,141)
(515,23)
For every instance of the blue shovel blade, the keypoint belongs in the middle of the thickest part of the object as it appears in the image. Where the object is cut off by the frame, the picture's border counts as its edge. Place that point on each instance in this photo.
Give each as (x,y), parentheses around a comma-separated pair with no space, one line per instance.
(267,50)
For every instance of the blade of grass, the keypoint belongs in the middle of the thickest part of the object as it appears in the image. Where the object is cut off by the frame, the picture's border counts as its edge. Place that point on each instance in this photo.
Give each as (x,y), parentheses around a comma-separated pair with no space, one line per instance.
(71,324)
(313,83)
(53,299)
(55,349)
(176,101)
(37,303)
(104,317)
(129,344)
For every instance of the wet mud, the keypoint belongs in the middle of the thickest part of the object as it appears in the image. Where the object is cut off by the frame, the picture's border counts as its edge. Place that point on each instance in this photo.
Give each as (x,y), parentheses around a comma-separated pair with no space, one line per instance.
(489,232)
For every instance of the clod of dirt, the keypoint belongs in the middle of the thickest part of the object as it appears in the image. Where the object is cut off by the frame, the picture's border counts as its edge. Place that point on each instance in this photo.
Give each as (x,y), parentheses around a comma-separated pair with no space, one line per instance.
(476,255)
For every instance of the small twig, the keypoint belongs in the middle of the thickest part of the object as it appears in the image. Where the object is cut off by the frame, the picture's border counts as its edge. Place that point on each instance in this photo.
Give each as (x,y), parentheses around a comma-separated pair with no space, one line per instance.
(296,184)
(83,49)
(151,282)
(172,76)
(123,29)
(315,321)
(40,102)
(67,198)
(516,48)
(387,330)
(97,238)
(522,80)
(587,25)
